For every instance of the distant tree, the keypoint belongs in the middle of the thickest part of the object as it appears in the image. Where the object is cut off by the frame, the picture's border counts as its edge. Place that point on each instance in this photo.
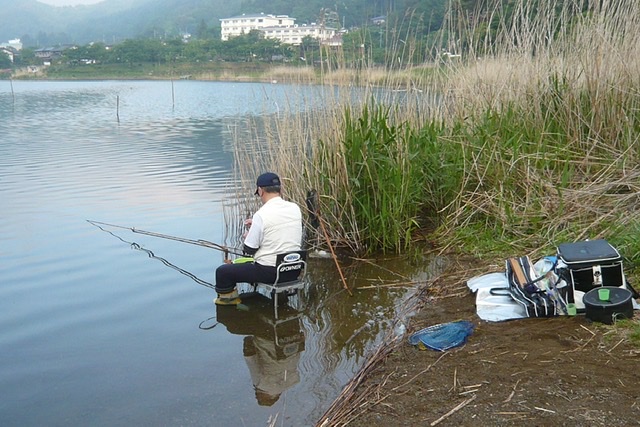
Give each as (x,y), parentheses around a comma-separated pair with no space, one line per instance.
(91,52)
(97,51)
(138,50)
(215,32)
(27,57)
(52,39)
(202,31)
(310,49)
(75,54)
(5,61)
(172,50)
(355,44)
(27,41)
(202,50)
(42,39)
(242,47)
(265,49)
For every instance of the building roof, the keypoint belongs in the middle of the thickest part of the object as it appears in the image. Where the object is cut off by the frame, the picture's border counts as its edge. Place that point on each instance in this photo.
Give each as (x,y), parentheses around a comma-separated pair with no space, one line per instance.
(298,27)
(50,49)
(256,15)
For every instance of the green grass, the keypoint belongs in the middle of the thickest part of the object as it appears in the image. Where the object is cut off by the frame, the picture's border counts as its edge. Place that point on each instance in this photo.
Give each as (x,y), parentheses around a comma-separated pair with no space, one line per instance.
(626,329)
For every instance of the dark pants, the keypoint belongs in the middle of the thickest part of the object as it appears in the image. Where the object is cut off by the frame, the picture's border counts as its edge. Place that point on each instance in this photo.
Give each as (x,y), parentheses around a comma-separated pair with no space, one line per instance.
(227,275)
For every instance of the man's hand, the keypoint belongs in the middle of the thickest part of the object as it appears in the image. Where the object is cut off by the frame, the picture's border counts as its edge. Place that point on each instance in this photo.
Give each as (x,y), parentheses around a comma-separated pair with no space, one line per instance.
(247,224)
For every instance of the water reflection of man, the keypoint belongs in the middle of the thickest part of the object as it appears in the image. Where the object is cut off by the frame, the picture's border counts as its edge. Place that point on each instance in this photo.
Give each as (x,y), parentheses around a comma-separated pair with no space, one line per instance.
(271,349)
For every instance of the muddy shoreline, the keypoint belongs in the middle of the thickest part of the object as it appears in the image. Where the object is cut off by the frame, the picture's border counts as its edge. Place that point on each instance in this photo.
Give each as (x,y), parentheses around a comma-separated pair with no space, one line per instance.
(565,371)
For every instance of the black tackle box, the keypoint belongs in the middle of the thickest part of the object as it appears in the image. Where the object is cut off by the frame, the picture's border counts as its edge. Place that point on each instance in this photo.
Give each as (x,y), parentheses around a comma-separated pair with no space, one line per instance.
(589,264)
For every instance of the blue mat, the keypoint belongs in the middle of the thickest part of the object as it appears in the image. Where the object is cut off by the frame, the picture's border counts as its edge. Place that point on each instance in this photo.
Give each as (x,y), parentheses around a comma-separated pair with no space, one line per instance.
(444,336)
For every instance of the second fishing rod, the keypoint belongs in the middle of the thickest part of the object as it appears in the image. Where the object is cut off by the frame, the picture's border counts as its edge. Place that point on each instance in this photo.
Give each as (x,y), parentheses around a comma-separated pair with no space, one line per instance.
(199,242)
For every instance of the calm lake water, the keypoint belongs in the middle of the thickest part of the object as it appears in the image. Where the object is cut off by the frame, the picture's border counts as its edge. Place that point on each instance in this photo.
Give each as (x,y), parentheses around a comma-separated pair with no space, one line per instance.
(96,332)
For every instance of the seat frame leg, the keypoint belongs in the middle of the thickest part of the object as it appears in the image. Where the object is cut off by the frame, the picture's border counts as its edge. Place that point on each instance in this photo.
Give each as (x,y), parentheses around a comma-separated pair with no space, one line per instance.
(275,303)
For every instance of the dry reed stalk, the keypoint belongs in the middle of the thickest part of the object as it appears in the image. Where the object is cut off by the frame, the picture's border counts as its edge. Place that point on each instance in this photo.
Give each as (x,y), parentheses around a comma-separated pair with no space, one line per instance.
(579,71)
(299,75)
(454,410)
(353,401)
(389,285)
(592,52)
(334,256)
(349,403)
(286,147)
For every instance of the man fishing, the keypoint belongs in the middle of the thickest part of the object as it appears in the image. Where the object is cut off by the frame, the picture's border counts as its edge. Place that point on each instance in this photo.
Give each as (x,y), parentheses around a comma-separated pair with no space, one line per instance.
(275,228)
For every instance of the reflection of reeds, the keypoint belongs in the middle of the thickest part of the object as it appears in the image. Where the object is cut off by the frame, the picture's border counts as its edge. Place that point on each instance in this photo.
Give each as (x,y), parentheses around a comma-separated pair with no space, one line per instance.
(529,139)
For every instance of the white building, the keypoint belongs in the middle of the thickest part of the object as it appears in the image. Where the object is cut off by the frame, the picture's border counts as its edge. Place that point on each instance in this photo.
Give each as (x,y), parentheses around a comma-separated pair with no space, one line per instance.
(242,24)
(280,27)
(11,53)
(294,34)
(15,44)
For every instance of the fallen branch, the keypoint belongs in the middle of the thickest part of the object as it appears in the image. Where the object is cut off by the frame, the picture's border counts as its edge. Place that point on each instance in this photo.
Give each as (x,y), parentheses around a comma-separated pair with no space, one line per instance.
(390,285)
(613,348)
(454,410)
(587,329)
(508,399)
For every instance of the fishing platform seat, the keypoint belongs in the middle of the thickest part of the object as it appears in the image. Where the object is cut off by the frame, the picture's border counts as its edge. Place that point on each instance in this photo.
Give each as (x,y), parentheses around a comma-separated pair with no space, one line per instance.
(291,268)
(288,334)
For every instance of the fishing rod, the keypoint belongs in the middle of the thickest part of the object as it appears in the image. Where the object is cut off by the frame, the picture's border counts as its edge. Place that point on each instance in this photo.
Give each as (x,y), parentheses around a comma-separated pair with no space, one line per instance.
(199,242)
(195,278)
(137,247)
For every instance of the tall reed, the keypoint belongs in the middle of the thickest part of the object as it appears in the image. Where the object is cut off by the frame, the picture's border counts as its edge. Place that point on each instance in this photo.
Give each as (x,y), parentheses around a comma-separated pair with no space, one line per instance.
(529,139)
(551,126)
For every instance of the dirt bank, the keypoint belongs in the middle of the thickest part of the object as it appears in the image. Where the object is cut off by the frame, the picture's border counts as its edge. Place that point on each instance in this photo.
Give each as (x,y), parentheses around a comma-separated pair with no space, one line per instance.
(563,371)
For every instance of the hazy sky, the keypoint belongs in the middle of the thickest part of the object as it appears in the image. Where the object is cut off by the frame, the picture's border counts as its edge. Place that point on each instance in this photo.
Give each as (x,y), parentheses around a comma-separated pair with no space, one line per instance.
(69,2)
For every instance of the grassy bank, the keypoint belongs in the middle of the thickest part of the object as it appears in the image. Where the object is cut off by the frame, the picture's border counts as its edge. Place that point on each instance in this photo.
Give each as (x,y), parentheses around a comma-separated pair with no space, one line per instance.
(529,141)
(229,71)
(248,71)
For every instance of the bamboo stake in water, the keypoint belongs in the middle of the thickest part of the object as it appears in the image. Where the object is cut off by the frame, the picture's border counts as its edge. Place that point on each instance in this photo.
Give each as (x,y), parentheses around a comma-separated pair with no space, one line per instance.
(118,108)
(173,96)
(333,255)
(13,95)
